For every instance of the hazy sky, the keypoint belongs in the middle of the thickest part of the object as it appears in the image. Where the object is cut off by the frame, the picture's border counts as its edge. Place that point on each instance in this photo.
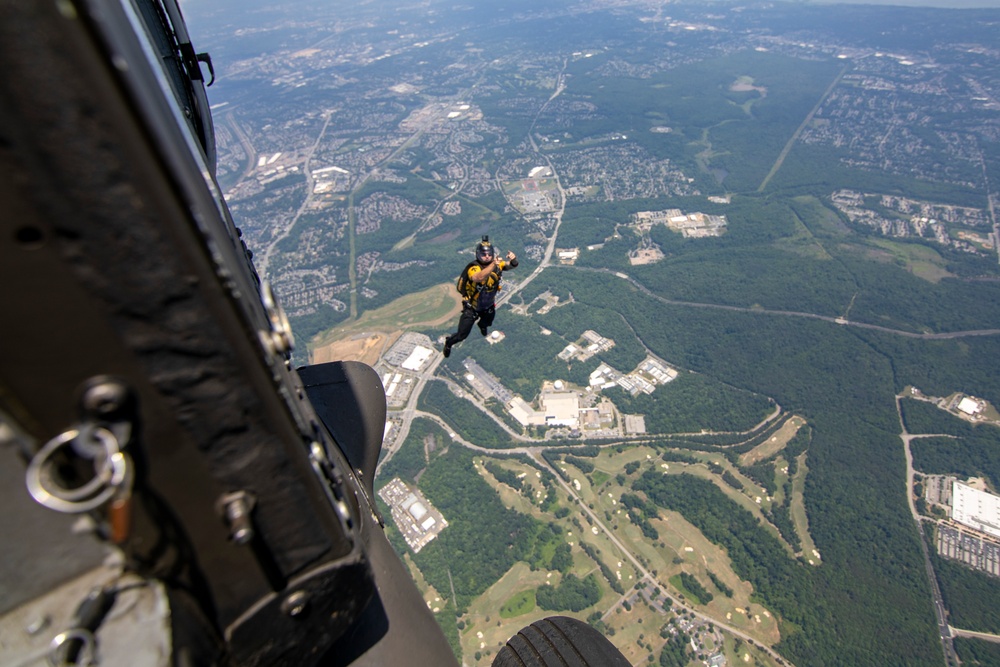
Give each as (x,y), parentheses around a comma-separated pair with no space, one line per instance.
(946,4)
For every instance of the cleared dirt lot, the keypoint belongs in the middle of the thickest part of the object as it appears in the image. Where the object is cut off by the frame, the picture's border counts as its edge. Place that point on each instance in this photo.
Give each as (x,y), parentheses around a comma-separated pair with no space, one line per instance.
(375,331)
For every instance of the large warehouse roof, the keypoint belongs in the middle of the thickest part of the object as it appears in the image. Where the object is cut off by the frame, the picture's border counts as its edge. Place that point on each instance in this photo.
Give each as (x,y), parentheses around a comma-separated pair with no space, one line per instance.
(976,509)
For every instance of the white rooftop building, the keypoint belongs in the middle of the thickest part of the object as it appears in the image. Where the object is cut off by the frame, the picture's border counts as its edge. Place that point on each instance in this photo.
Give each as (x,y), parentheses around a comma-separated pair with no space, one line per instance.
(974,508)
(522,411)
(390,389)
(568,352)
(969,406)
(417,358)
(561,408)
(417,509)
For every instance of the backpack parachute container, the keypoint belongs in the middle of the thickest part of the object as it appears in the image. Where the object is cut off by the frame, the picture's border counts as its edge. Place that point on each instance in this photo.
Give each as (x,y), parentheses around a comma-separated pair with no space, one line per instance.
(463,285)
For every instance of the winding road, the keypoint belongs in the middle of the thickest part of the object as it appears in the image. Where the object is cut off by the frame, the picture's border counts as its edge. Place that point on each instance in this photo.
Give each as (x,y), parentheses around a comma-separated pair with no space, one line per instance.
(840,321)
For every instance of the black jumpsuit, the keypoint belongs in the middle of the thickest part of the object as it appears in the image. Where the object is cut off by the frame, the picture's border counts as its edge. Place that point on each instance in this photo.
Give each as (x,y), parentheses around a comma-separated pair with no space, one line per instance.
(480,306)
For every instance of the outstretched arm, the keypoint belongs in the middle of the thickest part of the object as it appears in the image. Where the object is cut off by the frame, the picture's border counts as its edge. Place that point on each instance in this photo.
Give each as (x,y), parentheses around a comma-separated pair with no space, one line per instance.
(480,274)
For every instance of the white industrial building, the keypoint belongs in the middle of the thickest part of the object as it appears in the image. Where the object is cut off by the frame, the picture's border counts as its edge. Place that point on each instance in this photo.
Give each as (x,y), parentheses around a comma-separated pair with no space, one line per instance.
(604,377)
(417,358)
(969,406)
(568,352)
(522,411)
(393,382)
(562,408)
(557,407)
(976,509)
(416,518)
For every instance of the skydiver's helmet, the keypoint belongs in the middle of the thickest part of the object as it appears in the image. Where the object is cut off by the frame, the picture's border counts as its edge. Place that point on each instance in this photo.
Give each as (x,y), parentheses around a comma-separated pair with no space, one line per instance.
(485,252)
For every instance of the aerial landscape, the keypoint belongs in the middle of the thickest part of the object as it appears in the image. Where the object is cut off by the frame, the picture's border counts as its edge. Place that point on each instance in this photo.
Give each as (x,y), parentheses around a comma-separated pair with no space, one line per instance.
(739,405)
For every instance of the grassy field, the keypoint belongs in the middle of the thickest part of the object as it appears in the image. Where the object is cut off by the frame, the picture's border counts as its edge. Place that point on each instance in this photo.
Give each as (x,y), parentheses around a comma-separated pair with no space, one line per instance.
(740,653)
(431,597)
(819,220)
(798,511)
(780,476)
(512,498)
(519,604)
(485,629)
(681,546)
(377,329)
(640,624)
(740,497)
(775,443)
(679,586)
(921,261)
(509,604)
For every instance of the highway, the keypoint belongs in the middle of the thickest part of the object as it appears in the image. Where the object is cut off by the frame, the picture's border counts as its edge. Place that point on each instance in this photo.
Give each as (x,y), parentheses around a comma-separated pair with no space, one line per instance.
(557,215)
(940,612)
(280,236)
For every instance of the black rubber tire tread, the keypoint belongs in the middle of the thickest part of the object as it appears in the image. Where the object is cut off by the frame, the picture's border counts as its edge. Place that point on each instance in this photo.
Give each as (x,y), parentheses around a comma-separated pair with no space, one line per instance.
(559,641)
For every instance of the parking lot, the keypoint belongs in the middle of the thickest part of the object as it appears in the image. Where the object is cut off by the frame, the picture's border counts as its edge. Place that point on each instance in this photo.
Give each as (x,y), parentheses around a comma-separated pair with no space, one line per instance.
(971,548)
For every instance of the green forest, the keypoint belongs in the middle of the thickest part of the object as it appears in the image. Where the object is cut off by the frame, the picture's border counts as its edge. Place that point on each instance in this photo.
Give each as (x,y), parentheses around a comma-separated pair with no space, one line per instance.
(692,403)
(964,449)
(847,394)
(571,594)
(464,417)
(409,460)
(977,653)
(784,584)
(970,596)
(483,539)
(693,589)
(841,379)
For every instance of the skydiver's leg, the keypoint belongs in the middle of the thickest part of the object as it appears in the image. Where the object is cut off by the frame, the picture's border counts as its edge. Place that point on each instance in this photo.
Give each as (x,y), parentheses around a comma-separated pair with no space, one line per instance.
(464,324)
(464,327)
(486,319)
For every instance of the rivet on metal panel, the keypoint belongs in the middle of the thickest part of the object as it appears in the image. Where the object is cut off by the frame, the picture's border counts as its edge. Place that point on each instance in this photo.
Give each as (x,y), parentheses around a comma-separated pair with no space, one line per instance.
(295,604)
(236,508)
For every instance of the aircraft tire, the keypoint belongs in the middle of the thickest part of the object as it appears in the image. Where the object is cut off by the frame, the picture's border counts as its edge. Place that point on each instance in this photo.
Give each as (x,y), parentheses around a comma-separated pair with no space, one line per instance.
(559,641)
